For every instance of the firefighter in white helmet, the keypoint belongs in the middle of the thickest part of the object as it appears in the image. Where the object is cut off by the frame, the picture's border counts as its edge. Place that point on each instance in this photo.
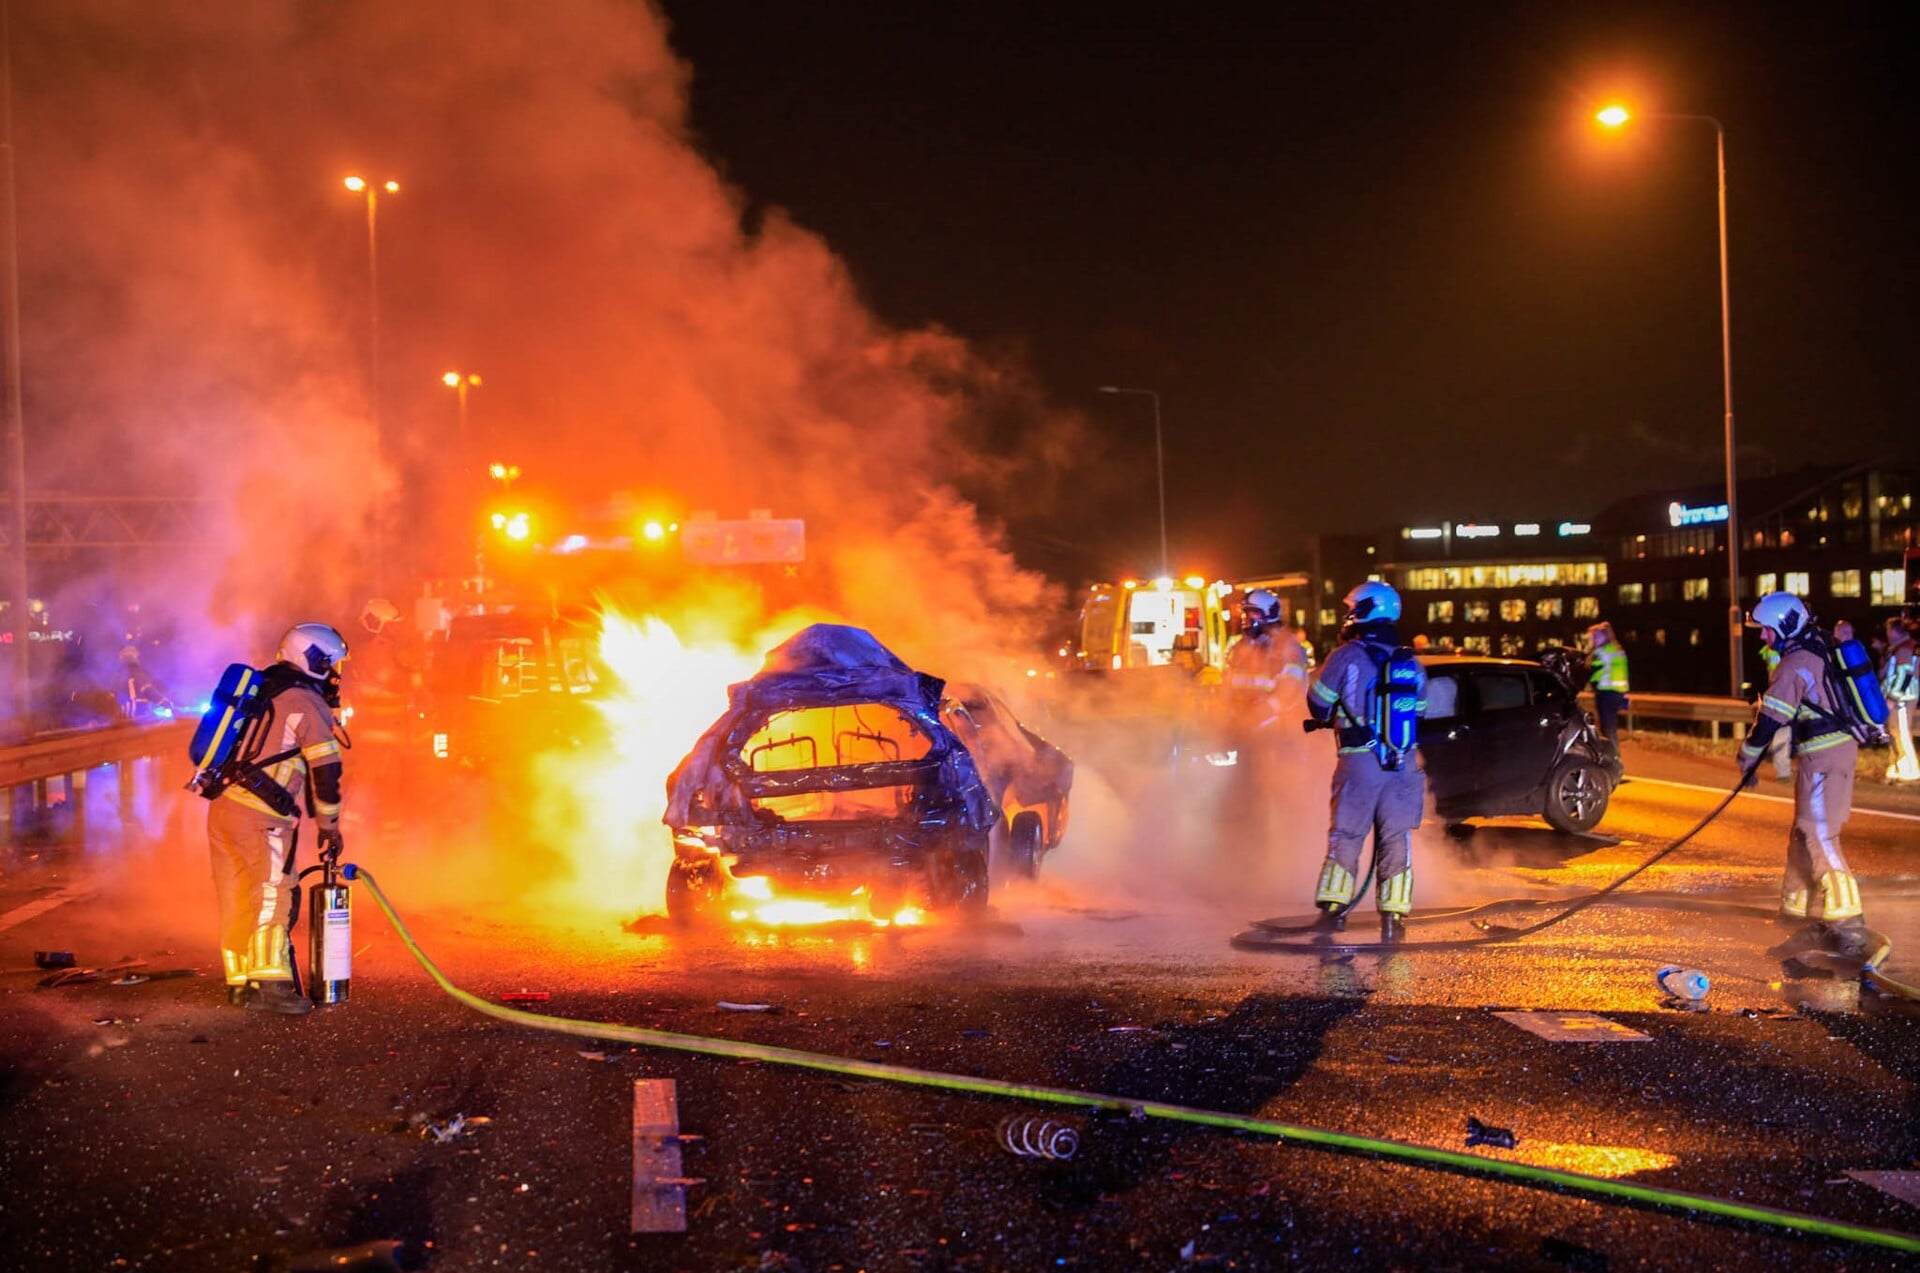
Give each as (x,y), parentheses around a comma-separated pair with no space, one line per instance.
(1818,891)
(253,827)
(1377,788)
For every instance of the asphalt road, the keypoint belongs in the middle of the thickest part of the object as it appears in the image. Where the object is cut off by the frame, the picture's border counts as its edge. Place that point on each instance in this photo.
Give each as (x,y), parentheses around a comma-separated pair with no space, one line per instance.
(150,1126)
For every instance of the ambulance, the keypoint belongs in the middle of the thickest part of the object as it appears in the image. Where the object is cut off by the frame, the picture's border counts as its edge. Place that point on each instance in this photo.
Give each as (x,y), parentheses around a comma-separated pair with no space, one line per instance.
(1159,623)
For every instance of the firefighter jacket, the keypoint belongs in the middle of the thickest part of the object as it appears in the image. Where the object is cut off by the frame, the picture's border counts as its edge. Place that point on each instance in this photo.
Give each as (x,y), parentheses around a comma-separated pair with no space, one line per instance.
(1266,671)
(1344,689)
(1798,698)
(1610,668)
(299,729)
(1900,674)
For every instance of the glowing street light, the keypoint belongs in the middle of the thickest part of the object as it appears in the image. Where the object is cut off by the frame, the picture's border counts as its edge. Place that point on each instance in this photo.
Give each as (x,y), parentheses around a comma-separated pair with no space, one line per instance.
(1159,462)
(460,383)
(1615,116)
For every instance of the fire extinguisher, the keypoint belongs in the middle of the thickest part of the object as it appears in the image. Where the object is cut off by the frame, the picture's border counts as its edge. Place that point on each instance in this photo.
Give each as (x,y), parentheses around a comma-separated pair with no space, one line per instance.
(330,933)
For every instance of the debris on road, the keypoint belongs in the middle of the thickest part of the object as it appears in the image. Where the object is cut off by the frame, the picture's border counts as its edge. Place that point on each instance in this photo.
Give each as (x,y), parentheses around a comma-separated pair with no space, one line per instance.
(379,1256)
(659,1187)
(592,1056)
(131,979)
(1685,988)
(1031,1137)
(771,1009)
(69,977)
(454,1128)
(1479,1133)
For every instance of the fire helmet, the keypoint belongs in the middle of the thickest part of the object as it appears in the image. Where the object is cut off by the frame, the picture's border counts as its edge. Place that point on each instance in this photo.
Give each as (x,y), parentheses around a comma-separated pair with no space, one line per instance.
(1785,613)
(314,650)
(1372,601)
(1258,609)
(378,614)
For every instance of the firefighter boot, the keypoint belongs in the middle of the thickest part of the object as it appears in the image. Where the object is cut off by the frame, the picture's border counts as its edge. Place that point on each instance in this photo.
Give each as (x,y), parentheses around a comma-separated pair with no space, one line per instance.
(1393,929)
(1850,939)
(278,996)
(1333,919)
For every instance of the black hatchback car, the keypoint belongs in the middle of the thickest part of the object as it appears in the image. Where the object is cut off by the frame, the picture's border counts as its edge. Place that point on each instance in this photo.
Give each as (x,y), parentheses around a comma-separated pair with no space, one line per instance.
(1508,736)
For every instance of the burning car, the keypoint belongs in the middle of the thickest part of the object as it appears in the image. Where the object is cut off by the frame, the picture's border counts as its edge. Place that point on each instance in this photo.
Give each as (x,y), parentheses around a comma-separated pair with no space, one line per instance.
(841,781)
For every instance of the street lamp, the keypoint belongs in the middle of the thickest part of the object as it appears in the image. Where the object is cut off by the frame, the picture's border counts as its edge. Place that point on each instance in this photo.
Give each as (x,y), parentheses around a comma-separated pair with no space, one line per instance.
(373,191)
(1159,463)
(1616,116)
(460,383)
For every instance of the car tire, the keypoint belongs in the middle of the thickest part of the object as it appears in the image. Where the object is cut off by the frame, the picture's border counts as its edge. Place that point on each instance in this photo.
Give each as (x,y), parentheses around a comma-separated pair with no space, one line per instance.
(957,878)
(693,895)
(1577,794)
(1026,840)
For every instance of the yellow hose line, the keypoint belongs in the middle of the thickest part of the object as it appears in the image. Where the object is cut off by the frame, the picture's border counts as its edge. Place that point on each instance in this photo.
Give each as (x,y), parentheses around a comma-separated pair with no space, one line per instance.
(1424,1155)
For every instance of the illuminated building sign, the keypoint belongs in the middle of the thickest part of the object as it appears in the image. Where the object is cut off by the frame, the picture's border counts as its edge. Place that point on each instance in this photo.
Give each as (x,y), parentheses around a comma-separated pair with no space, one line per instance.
(1526,528)
(1573,528)
(1679,514)
(1471,530)
(1422,532)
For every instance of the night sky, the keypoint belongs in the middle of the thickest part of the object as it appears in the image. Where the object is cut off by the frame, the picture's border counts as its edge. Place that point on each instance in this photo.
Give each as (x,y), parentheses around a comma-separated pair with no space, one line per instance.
(1376,258)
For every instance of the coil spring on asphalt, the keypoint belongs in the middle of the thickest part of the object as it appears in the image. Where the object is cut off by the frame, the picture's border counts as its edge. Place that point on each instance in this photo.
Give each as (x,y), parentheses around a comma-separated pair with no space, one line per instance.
(1032,1137)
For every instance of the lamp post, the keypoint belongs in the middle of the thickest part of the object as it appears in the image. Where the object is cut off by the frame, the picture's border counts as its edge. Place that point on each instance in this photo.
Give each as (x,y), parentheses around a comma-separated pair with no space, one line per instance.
(373,191)
(461,382)
(1159,464)
(1615,117)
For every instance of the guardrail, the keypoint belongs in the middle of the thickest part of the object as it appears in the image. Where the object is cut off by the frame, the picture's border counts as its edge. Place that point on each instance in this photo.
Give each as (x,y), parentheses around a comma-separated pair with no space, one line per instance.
(67,758)
(1714,711)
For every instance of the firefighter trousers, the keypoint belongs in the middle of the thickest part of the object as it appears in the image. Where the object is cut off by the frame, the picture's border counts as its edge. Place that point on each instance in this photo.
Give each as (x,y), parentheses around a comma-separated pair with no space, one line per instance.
(1817,883)
(1388,803)
(1905,766)
(252,854)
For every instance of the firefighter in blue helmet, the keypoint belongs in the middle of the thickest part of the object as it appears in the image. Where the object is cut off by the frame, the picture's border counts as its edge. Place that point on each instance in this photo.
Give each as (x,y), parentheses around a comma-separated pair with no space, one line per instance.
(1370,690)
(252,829)
(1818,892)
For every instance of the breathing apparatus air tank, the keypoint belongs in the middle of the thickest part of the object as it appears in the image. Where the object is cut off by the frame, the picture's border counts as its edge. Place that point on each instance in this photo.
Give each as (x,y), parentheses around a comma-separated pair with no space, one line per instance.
(330,934)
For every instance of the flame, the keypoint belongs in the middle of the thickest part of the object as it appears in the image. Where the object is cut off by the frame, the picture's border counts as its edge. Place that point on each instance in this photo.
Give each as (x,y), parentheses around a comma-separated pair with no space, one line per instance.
(752,900)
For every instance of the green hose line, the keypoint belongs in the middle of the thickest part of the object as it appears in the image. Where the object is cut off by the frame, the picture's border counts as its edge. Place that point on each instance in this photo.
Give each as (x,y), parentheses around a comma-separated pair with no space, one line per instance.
(1518,1173)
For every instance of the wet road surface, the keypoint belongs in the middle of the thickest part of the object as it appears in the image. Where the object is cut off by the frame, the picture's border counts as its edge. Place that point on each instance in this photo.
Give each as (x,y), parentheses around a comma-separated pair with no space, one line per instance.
(149,1126)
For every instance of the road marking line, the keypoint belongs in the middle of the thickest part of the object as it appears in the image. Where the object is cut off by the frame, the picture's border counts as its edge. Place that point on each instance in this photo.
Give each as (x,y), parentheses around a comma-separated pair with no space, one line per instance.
(1761,795)
(21,914)
(1573,1027)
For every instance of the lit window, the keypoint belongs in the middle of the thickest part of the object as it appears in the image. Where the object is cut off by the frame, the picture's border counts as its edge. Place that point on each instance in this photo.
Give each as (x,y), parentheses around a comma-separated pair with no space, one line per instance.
(1512,610)
(1439,612)
(1693,637)
(1328,618)
(1769,582)
(1657,592)
(1477,645)
(1797,583)
(1548,608)
(1477,612)
(1586,607)
(1659,636)
(1630,594)
(1512,645)
(1889,587)
(1693,589)
(1844,583)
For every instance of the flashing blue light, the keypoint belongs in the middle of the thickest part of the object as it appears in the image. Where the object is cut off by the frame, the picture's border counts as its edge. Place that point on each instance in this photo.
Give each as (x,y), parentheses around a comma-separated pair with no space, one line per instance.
(163,713)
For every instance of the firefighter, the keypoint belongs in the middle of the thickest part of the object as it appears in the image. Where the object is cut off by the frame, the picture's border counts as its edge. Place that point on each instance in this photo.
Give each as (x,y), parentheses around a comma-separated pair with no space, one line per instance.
(1266,671)
(1900,679)
(1609,679)
(252,831)
(1374,789)
(1777,750)
(1817,892)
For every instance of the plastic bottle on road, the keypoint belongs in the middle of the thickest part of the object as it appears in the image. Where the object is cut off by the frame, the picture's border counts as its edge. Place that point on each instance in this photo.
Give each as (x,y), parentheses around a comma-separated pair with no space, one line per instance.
(1688,986)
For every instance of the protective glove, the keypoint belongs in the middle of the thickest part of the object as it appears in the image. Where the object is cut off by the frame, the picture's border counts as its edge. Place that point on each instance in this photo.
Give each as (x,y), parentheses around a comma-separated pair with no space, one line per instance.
(331,844)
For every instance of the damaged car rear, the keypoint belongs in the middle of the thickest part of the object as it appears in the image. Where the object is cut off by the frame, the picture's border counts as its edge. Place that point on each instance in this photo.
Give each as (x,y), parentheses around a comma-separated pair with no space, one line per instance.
(830,789)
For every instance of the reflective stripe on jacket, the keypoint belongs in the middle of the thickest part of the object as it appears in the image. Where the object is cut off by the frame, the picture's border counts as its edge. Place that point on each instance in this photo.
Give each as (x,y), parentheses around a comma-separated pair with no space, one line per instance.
(1610,668)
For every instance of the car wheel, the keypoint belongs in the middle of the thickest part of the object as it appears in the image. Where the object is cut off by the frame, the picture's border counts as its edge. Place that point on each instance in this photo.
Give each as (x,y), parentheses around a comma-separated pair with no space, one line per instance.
(693,894)
(1577,793)
(1025,839)
(957,878)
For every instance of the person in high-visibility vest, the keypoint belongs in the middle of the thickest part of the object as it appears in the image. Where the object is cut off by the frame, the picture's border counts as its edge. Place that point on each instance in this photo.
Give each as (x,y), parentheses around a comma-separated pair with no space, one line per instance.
(1900,678)
(1609,679)
(1818,890)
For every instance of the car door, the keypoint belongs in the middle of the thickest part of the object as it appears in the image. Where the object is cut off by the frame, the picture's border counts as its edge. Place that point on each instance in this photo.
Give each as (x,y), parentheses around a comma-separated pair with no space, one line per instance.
(1446,742)
(1506,738)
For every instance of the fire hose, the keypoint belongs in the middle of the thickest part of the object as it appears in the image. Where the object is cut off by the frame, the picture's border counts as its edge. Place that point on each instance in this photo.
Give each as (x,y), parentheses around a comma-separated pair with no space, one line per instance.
(1613,1191)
